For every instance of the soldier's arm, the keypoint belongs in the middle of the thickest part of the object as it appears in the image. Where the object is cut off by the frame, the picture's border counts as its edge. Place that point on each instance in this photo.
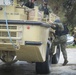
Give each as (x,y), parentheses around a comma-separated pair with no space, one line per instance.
(60,25)
(40,7)
(50,10)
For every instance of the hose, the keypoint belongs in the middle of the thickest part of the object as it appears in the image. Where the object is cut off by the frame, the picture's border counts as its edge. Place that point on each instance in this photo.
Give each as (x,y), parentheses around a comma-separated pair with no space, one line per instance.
(5,15)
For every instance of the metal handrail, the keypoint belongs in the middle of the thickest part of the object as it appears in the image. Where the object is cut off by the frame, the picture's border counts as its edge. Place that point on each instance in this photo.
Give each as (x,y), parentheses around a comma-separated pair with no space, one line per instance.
(14,38)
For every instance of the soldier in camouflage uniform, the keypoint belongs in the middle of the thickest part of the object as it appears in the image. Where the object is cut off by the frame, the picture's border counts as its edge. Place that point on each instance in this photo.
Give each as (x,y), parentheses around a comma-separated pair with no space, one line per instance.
(60,39)
(46,8)
(29,4)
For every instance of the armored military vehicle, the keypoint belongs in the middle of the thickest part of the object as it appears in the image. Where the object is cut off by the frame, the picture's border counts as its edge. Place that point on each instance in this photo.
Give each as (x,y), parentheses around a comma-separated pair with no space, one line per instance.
(24,35)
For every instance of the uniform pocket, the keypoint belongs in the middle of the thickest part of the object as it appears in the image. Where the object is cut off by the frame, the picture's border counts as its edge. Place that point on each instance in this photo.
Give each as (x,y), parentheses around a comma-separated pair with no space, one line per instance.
(63,38)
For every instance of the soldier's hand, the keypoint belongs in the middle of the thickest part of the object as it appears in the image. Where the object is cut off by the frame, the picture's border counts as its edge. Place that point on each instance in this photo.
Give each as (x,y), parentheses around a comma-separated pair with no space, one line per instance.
(50,21)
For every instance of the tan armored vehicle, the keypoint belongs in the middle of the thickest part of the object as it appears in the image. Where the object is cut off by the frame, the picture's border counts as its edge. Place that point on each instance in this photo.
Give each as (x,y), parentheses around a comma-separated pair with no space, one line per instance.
(24,35)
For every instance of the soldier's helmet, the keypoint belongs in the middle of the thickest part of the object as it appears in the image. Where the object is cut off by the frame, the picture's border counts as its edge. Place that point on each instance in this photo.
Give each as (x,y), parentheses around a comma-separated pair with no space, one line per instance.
(45,2)
(57,21)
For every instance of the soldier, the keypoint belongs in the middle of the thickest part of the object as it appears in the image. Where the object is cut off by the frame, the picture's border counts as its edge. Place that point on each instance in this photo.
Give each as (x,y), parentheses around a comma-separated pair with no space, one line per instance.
(30,4)
(60,39)
(45,7)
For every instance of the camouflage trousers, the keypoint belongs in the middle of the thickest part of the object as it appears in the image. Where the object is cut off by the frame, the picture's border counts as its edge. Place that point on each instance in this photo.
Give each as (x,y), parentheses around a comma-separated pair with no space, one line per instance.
(60,40)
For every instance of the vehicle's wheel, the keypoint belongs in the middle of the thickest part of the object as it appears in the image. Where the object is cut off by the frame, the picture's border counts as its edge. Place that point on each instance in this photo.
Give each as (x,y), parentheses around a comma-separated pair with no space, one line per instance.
(56,56)
(44,67)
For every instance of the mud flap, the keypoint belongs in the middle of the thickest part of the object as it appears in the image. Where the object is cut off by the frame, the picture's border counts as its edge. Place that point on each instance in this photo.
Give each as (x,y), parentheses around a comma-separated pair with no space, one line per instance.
(44,67)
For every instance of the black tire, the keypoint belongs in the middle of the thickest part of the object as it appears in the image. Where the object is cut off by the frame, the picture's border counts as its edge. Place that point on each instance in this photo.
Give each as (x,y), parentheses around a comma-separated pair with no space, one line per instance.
(56,56)
(44,67)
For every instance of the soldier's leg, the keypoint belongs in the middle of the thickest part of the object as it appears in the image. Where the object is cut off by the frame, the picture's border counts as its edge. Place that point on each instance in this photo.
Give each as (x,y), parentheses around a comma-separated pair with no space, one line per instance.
(63,49)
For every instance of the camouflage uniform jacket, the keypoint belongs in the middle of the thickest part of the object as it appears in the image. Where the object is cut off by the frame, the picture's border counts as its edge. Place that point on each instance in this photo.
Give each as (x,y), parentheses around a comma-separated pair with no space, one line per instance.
(46,9)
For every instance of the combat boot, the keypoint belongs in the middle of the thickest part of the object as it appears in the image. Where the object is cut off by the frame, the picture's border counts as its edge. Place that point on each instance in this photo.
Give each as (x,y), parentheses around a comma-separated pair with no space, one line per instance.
(65,62)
